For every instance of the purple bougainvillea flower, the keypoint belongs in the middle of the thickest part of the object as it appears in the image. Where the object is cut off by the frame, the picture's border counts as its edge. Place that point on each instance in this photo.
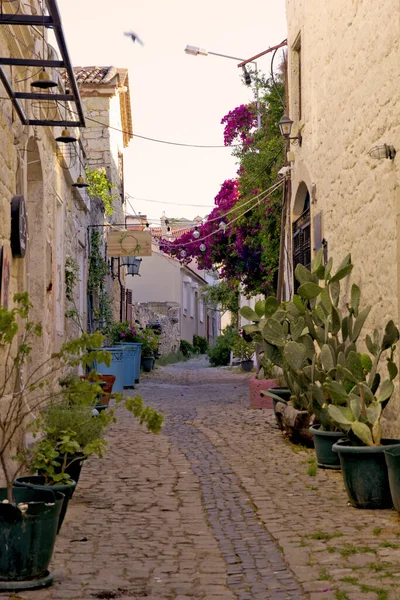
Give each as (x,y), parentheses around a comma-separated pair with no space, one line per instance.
(122,335)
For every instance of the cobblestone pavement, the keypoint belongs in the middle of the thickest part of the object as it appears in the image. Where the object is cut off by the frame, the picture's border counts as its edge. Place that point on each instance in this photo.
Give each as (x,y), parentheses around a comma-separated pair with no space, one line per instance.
(219,506)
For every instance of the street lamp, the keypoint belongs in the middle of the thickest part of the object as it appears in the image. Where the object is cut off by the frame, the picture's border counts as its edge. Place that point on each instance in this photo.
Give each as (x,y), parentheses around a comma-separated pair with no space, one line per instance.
(195,51)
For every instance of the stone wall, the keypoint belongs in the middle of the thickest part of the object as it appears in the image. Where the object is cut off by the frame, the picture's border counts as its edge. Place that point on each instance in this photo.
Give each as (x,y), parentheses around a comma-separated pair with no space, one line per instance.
(350,97)
(166,314)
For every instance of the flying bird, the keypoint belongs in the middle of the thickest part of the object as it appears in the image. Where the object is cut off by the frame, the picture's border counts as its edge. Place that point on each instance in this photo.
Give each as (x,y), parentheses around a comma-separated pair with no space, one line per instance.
(133,37)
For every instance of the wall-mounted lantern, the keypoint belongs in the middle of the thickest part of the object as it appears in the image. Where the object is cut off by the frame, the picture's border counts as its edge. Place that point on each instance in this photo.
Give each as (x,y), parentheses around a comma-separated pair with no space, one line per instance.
(132,264)
(285,126)
(383,151)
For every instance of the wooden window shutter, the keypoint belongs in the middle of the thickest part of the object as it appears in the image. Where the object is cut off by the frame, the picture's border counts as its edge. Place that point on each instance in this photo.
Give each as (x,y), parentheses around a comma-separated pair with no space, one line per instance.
(129,305)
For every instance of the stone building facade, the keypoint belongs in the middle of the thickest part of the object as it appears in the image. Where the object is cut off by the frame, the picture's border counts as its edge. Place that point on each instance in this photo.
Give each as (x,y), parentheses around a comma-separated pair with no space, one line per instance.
(105,96)
(344,98)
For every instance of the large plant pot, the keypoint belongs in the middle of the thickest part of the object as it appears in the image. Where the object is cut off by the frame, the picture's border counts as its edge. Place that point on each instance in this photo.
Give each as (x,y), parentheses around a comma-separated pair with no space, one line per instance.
(27,540)
(392,457)
(365,474)
(132,352)
(323,442)
(284,394)
(247,365)
(147,363)
(258,392)
(37,482)
(116,367)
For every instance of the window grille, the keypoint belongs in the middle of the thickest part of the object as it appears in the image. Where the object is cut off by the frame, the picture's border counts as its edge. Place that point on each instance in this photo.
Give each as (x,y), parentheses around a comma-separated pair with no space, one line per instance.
(301,243)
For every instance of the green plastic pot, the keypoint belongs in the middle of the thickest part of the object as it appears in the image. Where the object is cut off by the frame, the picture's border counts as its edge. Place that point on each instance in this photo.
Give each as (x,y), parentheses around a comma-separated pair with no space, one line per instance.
(392,457)
(365,474)
(323,442)
(147,363)
(27,539)
(73,468)
(247,365)
(37,482)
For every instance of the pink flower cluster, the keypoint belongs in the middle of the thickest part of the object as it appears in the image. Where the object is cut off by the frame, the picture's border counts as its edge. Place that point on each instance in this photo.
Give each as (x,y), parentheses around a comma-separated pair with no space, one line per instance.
(239,123)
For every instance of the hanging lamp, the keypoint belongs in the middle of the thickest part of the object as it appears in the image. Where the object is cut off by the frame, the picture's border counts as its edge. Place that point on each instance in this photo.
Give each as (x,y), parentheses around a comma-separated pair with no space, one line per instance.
(80,183)
(44,82)
(66,137)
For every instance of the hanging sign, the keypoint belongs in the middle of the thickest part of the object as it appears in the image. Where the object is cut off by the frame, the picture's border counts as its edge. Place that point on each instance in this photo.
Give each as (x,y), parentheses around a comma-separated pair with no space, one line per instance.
(128,243)
(19,232)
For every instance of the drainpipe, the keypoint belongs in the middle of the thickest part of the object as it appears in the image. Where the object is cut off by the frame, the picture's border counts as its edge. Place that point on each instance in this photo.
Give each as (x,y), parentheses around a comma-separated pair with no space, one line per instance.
(120,287)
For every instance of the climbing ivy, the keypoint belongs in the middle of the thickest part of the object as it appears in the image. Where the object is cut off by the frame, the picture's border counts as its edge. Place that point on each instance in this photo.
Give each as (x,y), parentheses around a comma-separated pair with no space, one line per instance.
(100,187)
(98,271)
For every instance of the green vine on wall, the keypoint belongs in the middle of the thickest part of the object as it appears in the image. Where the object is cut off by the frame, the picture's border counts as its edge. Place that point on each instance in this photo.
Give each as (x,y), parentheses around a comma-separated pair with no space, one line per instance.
(96,285)
(72,277)
(100,187)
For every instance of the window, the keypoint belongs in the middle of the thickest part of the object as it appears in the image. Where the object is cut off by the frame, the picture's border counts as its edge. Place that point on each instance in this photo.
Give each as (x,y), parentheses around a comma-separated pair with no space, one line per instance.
(185,297)
(296,79)
(302,240)
(201,310)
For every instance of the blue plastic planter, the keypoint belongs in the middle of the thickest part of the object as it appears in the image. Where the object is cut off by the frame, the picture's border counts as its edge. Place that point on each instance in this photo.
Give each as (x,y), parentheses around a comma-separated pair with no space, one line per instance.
(132,352)
(116,367)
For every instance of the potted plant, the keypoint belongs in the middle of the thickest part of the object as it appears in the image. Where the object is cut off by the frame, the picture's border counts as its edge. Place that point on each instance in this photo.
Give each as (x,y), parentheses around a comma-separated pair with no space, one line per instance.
(244,351)
(361,398)
(150,344)
(279,327)
(131,338)
(28,517)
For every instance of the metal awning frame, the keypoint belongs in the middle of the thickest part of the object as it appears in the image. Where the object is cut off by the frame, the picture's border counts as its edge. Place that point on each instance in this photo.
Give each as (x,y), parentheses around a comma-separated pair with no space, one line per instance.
(52,21)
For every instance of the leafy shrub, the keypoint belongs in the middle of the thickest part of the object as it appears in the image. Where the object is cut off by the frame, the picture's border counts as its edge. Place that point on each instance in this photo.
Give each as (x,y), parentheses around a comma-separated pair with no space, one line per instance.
(219,355)
(200,343)
(186,348)
(243,350)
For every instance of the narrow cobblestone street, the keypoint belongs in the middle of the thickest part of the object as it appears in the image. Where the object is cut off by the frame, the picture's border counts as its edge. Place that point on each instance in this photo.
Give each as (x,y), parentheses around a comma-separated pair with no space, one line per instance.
(219,506)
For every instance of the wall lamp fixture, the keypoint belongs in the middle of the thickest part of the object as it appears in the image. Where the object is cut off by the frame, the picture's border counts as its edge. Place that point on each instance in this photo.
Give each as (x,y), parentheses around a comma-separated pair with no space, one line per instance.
(383,151)
(285,126)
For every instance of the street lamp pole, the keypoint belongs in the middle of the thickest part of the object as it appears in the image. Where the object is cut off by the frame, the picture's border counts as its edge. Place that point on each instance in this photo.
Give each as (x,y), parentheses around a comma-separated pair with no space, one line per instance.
(194,51)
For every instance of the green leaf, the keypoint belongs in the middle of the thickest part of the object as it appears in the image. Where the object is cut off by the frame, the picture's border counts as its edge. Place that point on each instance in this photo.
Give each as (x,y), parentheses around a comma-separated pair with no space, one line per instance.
(299,304)
(317,394)
(326,357)
(336,321)
(355,298)
(326,300)
(302,274)
(344,373)
(341,359)
(251,328)
(317,260)
(345,328)
(346,261)
(385,391)
(353,364)
(309,290)
(391,336)
(308,343)
(368,394)
(377,433)
(328,268)
(366,362)
(355,405)
(297,329)
(249,314)
(260,308)
(271,306)
(334,289)
(341,414)
(273,333)
(295,355)
(336,391)
(359,322)
(342,273)
(370,345)
(392,369)
(374,411)
(363,433)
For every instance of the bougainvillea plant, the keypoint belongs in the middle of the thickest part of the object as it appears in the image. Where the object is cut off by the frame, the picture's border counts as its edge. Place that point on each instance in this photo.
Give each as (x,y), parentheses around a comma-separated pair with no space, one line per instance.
(246,250)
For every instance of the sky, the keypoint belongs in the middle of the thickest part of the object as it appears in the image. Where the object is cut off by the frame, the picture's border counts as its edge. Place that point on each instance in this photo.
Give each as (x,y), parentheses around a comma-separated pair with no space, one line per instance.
(175,97)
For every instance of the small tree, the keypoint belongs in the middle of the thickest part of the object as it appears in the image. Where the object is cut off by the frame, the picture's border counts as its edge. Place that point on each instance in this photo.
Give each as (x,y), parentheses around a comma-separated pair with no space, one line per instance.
(24,391)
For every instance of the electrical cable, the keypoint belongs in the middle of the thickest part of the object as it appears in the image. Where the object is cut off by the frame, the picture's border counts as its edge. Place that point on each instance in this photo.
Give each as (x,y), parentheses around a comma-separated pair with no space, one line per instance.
(201,239)
(273,79)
